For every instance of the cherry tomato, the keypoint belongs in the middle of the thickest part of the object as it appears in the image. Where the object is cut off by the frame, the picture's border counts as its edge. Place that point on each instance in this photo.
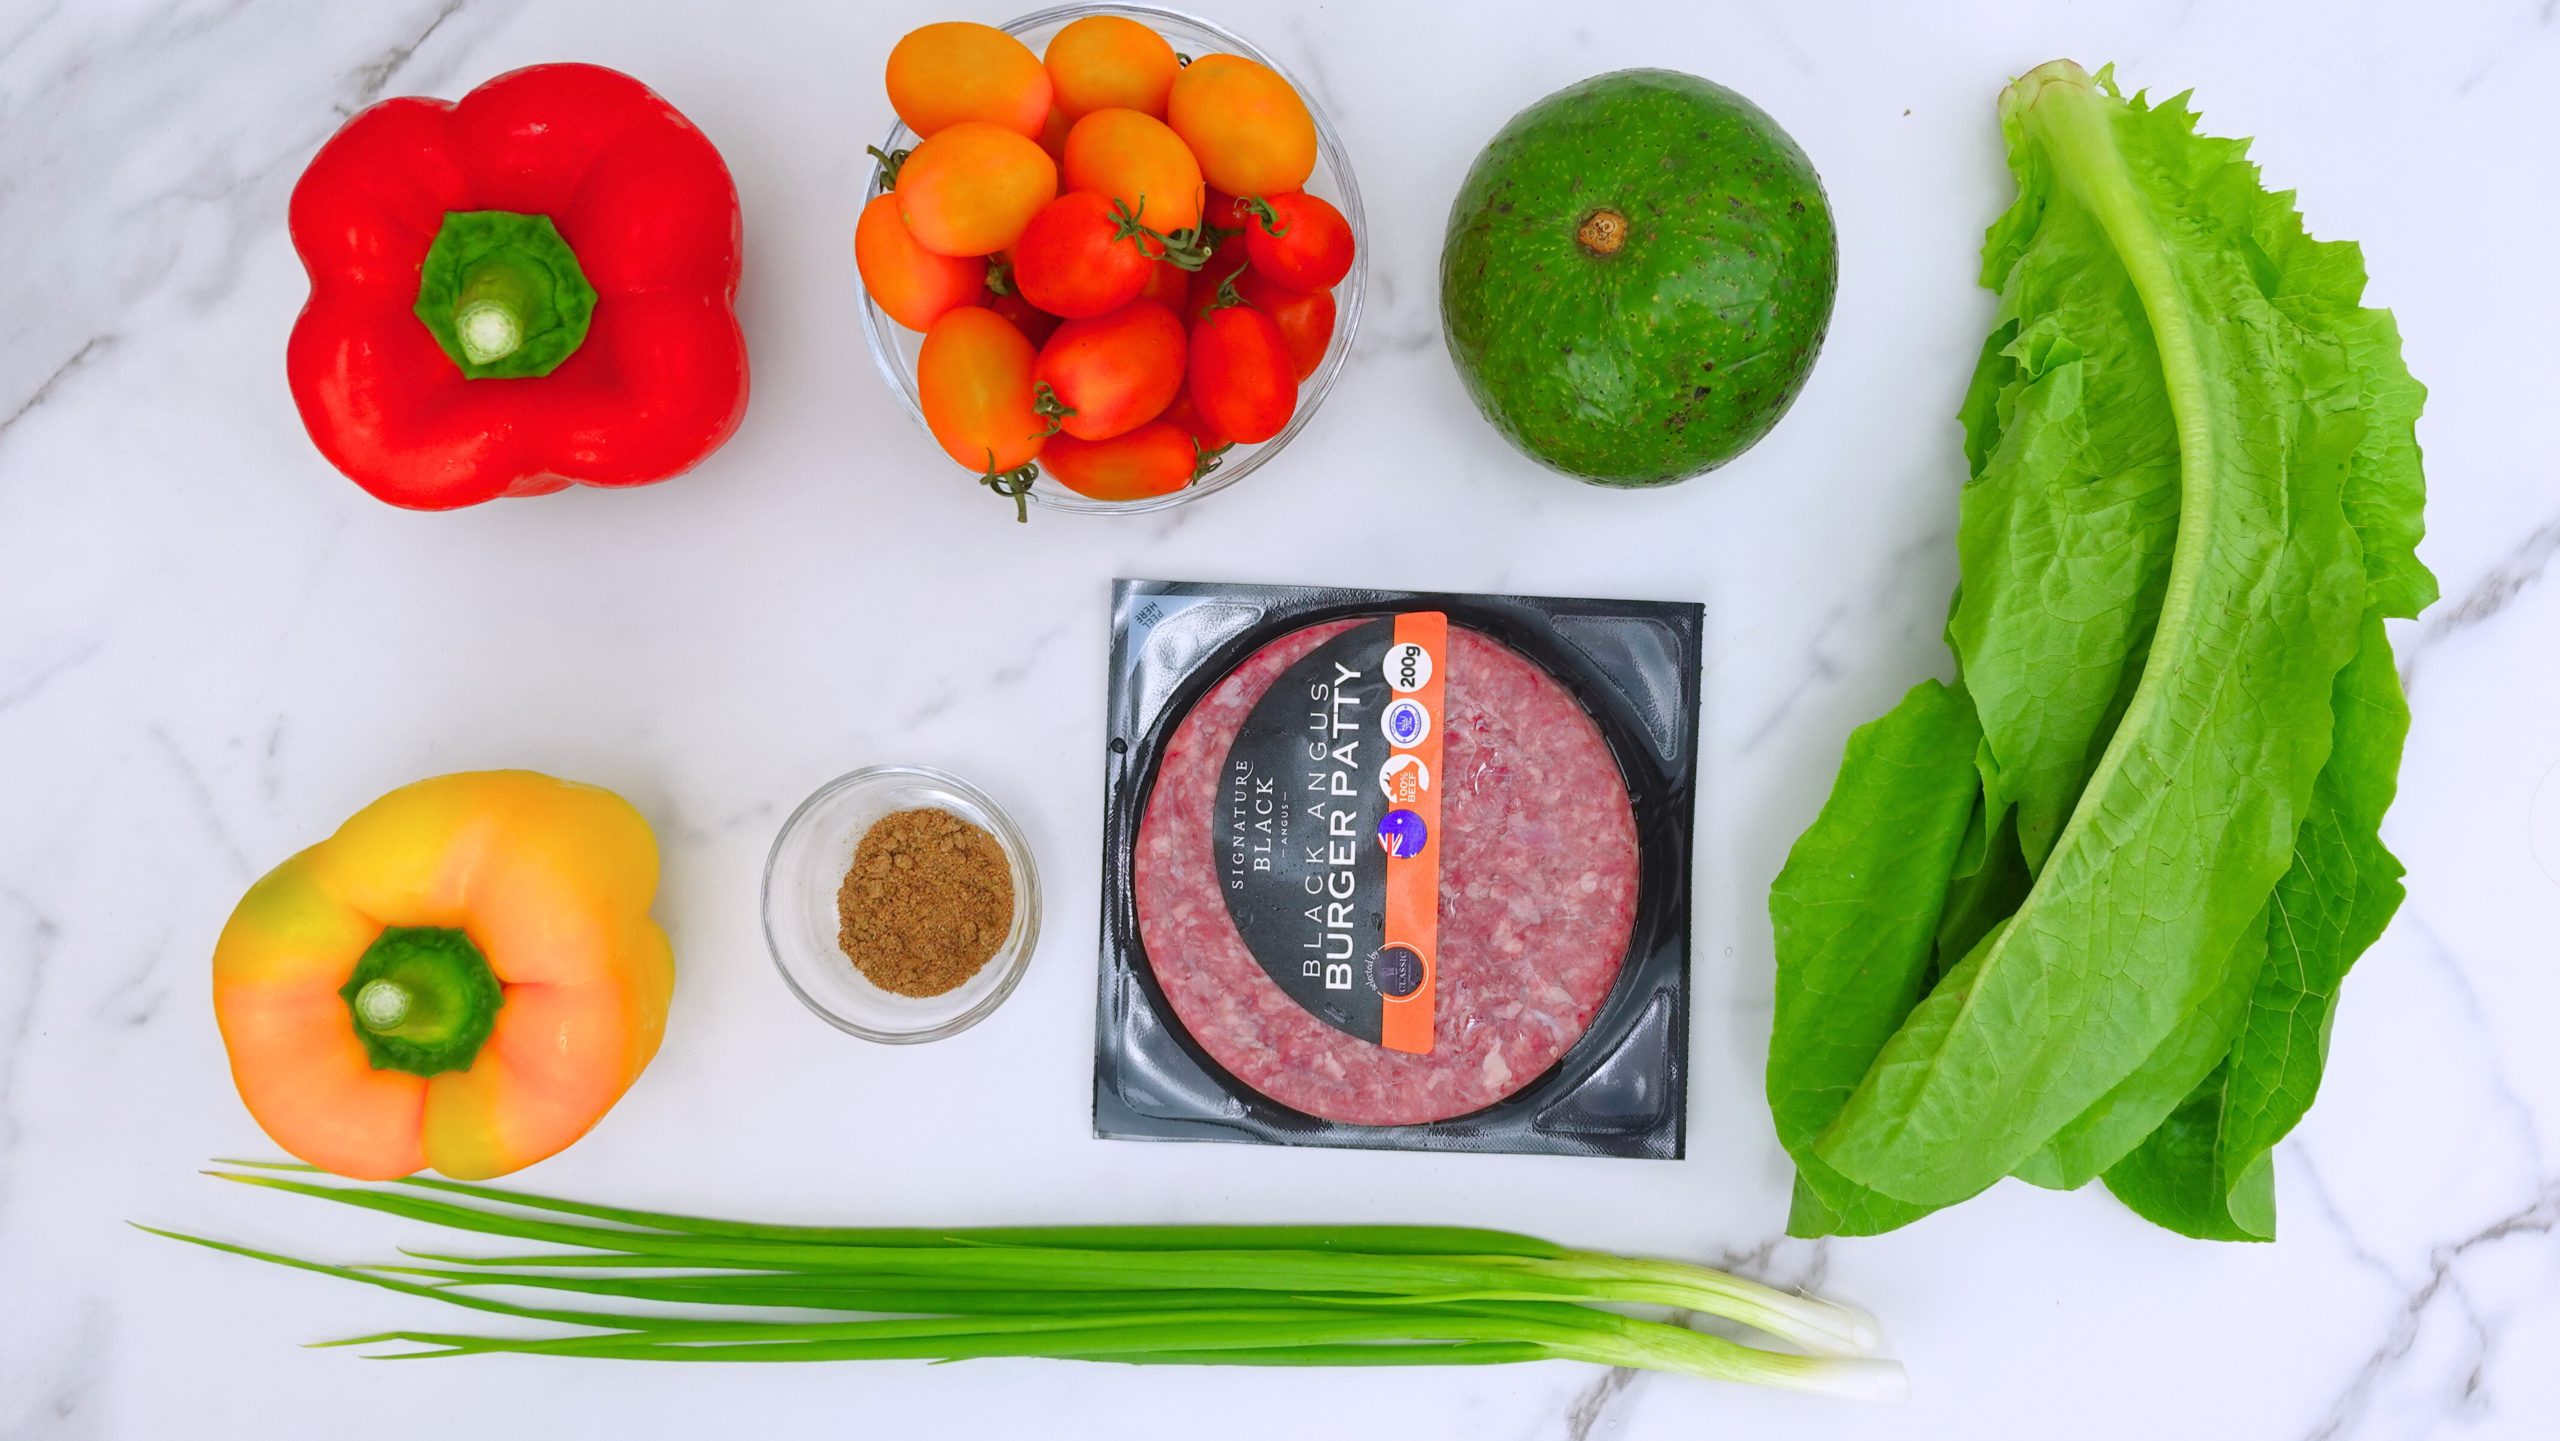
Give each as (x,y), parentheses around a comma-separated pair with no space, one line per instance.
(1109,375)
(1248,128)
(1241,376)
(974,378)
(1226,262)
(1302,243)
(970,189)
(1036,325)
(1105,62)
(1185,412)
(910,282)
(1137,160)
(1305,317)
(1167,285)
(1218,208)
(941,75)
(1077,259)
(1053,136)
(1157,458)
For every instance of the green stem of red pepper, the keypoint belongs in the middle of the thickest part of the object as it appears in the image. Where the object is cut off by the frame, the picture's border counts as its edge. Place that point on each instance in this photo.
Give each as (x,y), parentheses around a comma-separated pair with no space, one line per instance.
(503,295)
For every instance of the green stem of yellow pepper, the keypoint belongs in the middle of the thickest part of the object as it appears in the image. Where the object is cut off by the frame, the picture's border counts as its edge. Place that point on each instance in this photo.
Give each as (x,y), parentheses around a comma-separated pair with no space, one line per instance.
(423,1000)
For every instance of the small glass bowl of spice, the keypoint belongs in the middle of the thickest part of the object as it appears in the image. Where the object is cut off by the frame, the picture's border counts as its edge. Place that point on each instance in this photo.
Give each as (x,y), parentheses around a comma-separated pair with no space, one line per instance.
(900,903)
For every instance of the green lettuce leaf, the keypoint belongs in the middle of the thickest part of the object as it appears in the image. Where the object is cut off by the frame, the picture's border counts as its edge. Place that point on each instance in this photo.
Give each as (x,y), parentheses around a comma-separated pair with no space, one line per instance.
(2099,1137)
(1856,915)
(2195,491)
(2209,1173)
(2187,818)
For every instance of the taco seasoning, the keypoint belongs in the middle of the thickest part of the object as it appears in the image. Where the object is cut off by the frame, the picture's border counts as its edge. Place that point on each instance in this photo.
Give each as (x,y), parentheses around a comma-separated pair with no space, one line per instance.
(926,903)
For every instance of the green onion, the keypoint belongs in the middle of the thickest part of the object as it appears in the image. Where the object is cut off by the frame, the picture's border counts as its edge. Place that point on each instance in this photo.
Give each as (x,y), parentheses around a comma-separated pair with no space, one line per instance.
(1155,1295)
(1368,1240)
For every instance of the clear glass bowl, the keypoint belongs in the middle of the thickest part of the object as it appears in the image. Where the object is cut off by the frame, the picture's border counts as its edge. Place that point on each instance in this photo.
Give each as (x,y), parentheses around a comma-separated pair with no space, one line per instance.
(807,867)
(894,347)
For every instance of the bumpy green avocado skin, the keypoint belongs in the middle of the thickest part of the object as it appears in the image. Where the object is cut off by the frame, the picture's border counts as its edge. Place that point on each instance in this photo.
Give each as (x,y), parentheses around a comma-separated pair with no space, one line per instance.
(1675,352)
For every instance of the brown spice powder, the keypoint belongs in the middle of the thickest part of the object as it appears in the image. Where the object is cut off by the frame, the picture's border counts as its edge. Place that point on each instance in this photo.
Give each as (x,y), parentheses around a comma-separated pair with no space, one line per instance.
(926,904)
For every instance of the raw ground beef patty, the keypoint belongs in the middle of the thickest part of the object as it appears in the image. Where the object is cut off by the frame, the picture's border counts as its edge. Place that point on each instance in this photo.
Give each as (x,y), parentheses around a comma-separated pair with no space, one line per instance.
(1537,897)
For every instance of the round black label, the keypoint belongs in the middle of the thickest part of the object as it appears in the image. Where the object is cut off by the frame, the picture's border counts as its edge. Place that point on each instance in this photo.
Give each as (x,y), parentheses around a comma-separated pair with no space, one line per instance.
(1396,971)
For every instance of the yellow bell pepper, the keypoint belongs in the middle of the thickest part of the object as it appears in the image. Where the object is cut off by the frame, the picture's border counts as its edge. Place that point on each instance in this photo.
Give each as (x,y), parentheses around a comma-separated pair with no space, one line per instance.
(464,977)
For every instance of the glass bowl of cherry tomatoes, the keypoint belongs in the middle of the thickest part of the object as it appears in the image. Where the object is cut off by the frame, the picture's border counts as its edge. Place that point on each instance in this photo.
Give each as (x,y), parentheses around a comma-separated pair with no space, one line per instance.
(1137,347)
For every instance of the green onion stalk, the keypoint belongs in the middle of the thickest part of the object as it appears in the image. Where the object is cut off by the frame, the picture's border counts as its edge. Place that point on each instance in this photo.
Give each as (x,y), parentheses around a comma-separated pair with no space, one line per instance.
(1152,1295)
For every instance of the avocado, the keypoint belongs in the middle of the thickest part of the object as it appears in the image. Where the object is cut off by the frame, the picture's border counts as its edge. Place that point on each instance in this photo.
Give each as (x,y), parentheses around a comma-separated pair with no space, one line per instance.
(1637,277)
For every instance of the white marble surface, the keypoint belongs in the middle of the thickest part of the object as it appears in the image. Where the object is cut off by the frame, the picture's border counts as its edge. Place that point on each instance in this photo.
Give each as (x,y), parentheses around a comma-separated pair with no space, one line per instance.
(212,648)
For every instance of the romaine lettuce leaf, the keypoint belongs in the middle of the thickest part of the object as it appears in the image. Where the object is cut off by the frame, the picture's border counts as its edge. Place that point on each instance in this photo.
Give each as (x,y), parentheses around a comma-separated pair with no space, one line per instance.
(1856,911)
(2195,491)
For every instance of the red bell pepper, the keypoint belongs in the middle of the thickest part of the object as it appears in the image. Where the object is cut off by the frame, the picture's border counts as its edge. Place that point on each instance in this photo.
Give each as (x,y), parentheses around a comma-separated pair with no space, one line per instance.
(531,287)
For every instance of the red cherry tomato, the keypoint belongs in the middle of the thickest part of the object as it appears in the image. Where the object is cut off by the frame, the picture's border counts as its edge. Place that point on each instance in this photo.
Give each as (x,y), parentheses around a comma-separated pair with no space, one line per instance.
(1167,285)
(1109,375)
(1298,241)
(1305,317)
(1077,259)
(1004,297)
(1185,412)
(1157,458)
(1036,325)
(1226,262)
(1241,376)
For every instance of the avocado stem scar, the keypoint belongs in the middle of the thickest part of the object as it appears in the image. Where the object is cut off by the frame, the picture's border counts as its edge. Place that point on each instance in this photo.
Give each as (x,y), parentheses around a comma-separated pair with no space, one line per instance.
(1602,231)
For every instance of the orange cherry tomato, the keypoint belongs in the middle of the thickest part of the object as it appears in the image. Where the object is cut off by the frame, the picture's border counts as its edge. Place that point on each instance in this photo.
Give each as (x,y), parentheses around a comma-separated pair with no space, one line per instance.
(1104,62)
(941,75)
(1305,317)
(1136,158)
(1109,375)
(1157,458)
(969,189)
(913,284)
(1248,128)
(974,378)
(1053,136)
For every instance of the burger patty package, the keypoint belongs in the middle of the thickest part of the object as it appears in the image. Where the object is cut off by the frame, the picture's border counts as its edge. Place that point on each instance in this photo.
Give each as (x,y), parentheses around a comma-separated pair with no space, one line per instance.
(1396,870)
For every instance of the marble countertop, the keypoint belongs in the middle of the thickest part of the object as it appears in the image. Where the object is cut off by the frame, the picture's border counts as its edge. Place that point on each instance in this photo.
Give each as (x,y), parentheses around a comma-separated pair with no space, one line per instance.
(212,648)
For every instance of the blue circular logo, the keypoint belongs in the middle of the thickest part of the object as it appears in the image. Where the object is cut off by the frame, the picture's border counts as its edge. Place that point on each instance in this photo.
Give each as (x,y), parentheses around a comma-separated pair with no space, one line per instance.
(1402,833)
(1406,723)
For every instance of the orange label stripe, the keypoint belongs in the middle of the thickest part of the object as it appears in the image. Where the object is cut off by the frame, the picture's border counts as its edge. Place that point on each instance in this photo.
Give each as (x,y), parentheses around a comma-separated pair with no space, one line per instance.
(1413,882)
